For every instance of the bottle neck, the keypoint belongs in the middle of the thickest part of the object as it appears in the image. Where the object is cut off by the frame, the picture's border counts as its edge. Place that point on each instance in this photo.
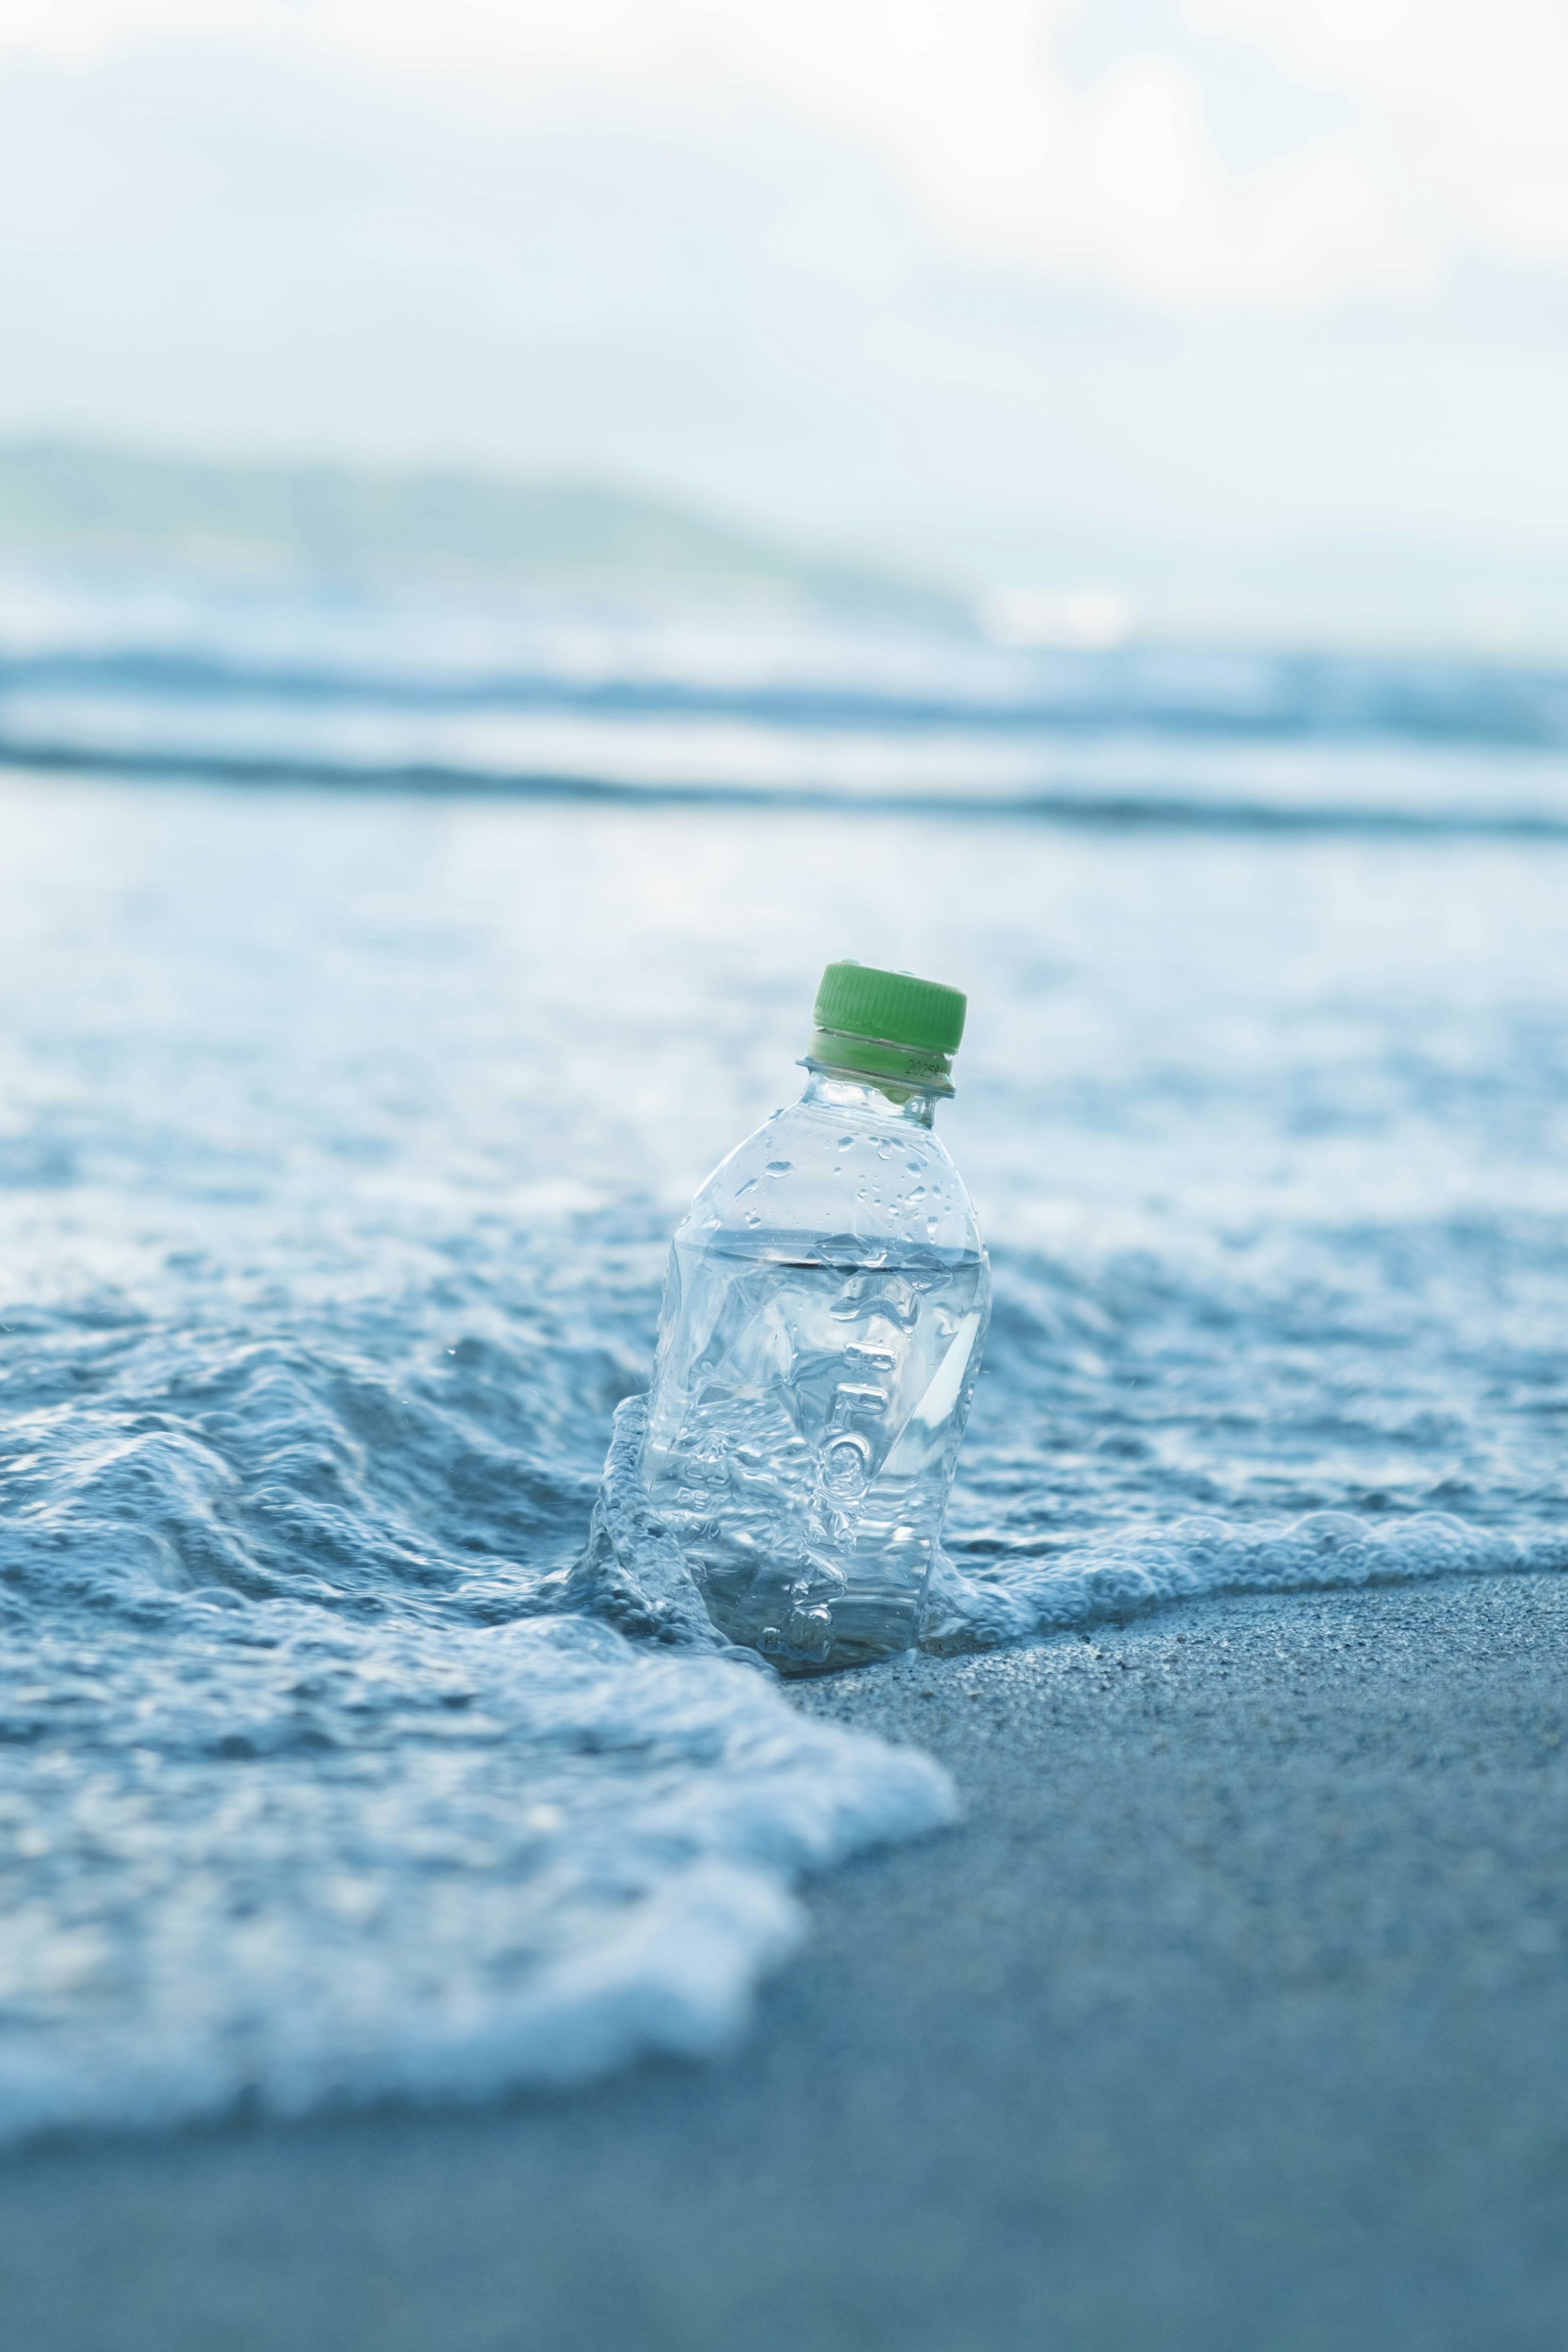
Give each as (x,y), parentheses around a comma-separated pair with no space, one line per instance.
(897,1106)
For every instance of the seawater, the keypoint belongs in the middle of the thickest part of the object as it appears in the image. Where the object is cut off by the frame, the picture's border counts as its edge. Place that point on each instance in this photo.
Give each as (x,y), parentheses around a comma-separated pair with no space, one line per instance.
(342,1130)
(799,1452)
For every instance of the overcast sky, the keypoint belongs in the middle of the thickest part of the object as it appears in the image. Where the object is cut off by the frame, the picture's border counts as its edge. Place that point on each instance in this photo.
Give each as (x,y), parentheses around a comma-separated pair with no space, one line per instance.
(937,274)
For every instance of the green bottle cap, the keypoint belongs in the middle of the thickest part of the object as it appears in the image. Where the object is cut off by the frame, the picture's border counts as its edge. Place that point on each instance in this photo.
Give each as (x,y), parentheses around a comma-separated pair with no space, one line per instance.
(888,1027)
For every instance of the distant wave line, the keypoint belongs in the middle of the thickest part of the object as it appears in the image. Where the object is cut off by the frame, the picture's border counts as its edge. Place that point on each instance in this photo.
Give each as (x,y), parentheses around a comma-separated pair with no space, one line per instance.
(1091,807)
(1299,700)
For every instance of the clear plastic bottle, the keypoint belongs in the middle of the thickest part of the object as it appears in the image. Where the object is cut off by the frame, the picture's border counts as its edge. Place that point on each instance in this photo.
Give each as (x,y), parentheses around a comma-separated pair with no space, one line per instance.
(824,1317)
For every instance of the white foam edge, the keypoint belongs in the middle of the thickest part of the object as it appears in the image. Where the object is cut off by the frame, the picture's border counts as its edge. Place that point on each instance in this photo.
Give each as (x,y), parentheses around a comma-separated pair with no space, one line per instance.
(678,1980)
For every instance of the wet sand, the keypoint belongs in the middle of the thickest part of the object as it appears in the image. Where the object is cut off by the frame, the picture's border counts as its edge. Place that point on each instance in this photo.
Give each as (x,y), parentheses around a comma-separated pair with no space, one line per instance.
(1235,2015)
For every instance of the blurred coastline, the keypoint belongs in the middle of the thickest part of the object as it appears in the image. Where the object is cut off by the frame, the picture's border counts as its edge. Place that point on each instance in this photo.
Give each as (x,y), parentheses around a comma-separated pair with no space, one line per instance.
(129,522)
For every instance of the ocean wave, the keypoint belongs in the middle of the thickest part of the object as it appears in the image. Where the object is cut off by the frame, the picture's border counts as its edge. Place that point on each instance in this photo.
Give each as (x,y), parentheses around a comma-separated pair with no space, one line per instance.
(278,1866)
(1122,1576)
(1539,814)
(1170,692)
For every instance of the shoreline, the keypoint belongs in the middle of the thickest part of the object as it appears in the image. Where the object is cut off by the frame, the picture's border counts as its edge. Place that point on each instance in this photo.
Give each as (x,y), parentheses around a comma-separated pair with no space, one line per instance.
(1233,2013)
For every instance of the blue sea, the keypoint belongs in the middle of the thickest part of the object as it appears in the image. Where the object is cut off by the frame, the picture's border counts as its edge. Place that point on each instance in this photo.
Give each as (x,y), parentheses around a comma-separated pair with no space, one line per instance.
(382,974)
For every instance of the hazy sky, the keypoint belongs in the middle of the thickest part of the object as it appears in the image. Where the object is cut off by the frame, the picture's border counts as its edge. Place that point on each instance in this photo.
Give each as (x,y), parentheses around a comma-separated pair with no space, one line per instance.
(937,273)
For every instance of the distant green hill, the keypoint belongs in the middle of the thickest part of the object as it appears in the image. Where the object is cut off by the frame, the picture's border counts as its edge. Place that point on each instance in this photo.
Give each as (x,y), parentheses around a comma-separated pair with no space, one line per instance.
(64,503)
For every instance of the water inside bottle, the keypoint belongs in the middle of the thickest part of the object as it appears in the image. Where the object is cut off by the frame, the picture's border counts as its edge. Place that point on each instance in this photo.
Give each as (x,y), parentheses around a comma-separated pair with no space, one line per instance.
(807,1412)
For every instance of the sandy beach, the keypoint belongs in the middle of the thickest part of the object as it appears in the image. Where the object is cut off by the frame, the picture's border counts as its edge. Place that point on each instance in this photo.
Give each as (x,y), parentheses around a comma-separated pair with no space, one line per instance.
(1235,2015)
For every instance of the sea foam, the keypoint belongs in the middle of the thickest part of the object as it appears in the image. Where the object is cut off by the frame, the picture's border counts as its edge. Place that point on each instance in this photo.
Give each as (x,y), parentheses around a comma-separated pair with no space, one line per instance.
(278,1866)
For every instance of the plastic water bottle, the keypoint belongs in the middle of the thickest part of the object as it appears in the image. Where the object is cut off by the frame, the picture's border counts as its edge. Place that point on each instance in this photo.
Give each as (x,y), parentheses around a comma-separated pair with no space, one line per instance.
(824,1317)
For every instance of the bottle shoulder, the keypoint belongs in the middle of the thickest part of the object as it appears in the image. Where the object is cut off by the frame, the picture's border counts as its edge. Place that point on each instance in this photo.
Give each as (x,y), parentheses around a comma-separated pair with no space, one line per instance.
(812,1168)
